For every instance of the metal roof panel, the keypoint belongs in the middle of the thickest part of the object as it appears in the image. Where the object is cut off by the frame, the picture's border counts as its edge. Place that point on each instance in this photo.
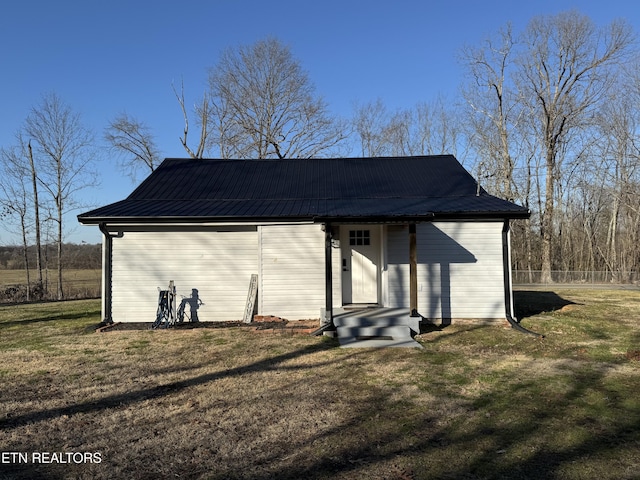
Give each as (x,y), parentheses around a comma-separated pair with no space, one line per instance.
(193,189)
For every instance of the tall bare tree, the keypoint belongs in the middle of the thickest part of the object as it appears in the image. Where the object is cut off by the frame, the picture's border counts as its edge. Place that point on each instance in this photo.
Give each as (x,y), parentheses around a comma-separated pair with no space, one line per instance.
(564,70)
(36,214)
(262,104)
(63,152)
(495,109)
(134,142)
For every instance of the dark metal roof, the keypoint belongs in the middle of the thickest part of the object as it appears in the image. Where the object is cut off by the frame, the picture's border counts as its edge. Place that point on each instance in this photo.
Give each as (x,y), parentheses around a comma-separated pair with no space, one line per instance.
(343,189)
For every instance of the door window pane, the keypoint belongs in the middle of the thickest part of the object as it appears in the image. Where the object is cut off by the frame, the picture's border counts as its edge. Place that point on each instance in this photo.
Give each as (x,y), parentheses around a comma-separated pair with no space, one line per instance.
(359,237)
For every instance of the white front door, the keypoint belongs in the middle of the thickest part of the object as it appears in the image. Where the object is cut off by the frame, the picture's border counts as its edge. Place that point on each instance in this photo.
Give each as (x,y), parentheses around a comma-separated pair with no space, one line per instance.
(360,260)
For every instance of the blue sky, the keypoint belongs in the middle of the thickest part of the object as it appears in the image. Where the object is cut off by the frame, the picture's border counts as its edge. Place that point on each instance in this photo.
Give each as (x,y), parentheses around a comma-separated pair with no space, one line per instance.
(107,57)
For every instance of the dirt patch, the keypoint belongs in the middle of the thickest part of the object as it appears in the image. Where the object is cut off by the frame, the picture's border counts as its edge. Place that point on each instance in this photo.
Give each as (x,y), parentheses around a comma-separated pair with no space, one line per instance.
(633,355)
(300,327)
(119,326)
(266,324)
(570,308)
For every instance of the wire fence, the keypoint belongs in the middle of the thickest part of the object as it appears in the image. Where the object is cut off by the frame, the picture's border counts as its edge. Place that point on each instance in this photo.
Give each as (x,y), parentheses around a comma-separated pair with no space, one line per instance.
(524,277)
(91,287)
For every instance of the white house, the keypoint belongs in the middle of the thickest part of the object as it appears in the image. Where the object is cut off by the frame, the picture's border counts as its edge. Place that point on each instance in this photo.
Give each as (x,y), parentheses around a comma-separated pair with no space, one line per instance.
(406,232)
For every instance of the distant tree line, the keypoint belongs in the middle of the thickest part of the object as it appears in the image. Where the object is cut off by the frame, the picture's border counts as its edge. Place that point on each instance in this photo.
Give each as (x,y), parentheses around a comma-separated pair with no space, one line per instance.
(74,256)
(548,117)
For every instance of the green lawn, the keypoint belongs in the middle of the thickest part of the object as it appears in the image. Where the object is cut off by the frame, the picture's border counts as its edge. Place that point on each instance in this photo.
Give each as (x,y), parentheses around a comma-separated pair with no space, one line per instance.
(478,402)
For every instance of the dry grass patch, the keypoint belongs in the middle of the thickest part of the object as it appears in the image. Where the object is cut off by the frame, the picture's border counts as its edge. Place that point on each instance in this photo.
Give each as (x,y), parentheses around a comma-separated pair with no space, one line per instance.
(478,402)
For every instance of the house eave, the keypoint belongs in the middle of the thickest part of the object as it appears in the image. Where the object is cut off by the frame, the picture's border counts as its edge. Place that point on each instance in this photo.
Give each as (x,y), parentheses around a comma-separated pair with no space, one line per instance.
(501,215)
(335,219)
(190,220)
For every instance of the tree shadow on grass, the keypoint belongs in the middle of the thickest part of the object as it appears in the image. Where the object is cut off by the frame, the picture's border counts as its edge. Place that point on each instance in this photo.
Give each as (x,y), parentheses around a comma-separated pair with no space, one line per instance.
(499,433)
(504,419)
(487,428)
(529,303)
(62,316)
(412,444)
(138,396)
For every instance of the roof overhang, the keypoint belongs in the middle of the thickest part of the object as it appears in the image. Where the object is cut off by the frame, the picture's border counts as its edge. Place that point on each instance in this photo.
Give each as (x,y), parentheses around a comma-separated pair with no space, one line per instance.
(378,219)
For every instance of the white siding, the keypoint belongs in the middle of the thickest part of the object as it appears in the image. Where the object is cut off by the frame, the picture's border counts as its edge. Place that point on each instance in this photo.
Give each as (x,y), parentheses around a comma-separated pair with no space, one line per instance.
(397,266)
(460,269)
(292,271)
(218,263)
(460,273)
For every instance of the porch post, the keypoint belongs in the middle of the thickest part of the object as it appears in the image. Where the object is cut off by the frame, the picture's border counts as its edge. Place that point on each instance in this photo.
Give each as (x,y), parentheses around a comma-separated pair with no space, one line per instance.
(328,277)
(506,265)
(413,271)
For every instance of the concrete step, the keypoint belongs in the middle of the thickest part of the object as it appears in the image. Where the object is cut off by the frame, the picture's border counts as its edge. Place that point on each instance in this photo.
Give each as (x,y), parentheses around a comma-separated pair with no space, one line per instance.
(396,331)
(371,319)
(369,322)
(375,336)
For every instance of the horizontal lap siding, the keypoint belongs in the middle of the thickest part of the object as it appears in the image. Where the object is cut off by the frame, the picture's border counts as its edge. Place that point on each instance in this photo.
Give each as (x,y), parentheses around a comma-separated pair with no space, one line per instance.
(292,283)
(218,264)
(460,270)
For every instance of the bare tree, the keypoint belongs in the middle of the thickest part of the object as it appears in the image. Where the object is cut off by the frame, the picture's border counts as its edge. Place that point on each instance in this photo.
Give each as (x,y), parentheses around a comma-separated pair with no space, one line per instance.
(203,120)
(494,105)
(426,129)
(618,124)
(533,101)
(36,211)
(263,105)
(371,124)
(134,142)
(15,200)
(63,152)
(437,130)
(20,188)
(564,71)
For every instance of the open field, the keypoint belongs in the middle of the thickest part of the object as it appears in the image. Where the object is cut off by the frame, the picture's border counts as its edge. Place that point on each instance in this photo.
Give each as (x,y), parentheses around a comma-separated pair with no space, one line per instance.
(77,283)
(479,402)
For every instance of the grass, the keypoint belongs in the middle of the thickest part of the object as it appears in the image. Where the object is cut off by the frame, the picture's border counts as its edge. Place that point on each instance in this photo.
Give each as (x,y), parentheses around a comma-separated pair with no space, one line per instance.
(478,402)
(9,277)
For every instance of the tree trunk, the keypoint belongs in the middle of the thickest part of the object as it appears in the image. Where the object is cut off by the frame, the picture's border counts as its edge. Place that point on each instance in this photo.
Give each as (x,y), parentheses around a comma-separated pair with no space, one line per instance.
(547,222)
(612,242)
(60,290)
(59,250)
(39,288)
(25,247)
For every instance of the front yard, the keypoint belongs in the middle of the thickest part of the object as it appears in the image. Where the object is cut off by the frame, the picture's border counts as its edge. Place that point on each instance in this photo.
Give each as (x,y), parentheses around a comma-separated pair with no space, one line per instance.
(478,402)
